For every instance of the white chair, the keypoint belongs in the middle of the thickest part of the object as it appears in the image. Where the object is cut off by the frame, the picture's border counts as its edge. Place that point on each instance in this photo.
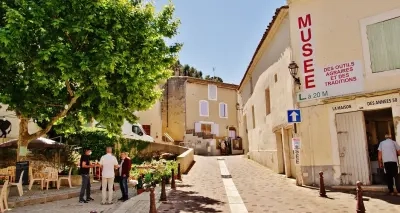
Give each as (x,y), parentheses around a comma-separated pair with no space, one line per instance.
(33,178)
(65,178)
(3,197)
(19,184)
(52,176)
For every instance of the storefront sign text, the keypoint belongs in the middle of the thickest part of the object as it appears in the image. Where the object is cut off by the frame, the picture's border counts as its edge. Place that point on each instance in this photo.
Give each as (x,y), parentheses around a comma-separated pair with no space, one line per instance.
(304,24)
(341,107)
(382,101)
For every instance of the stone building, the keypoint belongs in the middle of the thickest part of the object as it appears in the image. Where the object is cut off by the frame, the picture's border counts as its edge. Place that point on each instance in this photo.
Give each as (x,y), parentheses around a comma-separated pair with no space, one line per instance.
(199,113)
(265,94)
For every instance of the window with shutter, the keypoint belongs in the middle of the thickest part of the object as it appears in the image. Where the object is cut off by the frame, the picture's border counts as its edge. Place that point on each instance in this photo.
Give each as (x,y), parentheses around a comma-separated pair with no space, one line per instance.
(223,110)
(384,45)
(267,102)
(253,116)
(203,106)
(212,92)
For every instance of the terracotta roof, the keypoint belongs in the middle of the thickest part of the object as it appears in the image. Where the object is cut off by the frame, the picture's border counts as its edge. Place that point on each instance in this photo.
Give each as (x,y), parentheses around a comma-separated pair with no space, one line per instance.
(262,40)
(203,81)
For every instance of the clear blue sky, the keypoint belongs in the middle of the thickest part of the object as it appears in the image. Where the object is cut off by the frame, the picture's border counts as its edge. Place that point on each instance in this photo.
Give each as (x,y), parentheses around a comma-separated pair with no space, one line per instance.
(221,33)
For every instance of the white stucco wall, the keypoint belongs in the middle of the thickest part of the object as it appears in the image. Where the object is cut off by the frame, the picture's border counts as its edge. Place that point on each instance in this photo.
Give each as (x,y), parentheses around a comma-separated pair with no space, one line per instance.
(274,60)
(152,117)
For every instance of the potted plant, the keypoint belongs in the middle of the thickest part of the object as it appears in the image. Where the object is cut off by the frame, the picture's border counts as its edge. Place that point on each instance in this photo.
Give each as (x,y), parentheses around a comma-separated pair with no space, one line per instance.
(2,180)
(139,187)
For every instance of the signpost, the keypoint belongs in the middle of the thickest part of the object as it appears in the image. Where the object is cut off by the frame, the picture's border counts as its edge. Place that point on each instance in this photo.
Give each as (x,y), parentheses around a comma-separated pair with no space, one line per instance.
(294,116)
(296,150)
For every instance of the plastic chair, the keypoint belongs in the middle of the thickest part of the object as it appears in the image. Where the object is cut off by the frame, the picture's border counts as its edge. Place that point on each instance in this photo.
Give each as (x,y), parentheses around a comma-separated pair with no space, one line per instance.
(19,184)
(3,197)
(65,178)
(32,179)
(52,176)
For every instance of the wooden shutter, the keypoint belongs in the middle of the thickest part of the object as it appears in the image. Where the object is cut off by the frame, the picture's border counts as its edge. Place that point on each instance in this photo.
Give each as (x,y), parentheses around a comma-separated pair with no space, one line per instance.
(267,102)
(147,129)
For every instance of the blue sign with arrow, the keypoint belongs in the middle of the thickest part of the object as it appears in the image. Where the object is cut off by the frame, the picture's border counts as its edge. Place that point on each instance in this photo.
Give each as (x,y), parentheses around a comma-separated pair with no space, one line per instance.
(294,116)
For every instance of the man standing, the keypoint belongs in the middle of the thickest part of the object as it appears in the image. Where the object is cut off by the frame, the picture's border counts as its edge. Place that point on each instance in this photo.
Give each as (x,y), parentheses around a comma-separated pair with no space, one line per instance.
(388,153)
(84,171)
(124,170)
(108,163)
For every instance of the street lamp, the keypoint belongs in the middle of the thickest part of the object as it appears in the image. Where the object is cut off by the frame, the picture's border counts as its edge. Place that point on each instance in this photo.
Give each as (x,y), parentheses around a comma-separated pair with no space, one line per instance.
(293,69)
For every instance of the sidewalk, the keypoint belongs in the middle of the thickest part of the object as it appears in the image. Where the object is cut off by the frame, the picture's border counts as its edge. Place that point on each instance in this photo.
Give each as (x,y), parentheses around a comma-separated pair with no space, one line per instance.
(202,190)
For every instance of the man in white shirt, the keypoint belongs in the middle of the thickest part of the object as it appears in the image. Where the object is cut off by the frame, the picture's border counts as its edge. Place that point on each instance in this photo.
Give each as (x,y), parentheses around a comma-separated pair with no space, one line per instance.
(108,164)
(388,153)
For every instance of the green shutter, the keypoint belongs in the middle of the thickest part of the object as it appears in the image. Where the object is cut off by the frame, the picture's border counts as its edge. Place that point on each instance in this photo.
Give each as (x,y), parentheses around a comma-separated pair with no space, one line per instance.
(384,45)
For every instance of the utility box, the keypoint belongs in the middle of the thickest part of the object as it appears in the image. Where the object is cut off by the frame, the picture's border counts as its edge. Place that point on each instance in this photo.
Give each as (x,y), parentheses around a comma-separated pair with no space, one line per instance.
(19,167)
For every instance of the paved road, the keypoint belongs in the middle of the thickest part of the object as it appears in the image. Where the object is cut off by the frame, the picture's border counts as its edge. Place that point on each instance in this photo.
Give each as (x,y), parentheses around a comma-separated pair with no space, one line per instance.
(261,191)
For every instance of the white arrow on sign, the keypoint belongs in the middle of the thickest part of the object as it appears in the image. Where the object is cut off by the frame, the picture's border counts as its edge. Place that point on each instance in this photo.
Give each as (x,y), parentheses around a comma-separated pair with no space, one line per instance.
(294,116)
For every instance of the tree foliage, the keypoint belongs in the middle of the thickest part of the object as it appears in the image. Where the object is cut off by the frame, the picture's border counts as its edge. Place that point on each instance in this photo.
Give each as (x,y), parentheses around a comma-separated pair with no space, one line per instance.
(187,70)
(97,59)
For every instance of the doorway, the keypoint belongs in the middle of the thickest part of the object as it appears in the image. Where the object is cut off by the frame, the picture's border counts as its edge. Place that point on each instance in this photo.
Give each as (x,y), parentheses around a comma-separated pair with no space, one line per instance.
(378,123)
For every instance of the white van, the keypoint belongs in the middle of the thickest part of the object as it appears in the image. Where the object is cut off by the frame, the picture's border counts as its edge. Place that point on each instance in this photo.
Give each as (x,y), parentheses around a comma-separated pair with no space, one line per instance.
(132,131)
(135,131)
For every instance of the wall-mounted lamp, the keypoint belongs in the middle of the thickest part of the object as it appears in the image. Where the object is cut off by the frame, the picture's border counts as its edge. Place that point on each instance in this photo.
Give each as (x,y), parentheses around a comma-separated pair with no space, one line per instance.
(293,69)
(238,106)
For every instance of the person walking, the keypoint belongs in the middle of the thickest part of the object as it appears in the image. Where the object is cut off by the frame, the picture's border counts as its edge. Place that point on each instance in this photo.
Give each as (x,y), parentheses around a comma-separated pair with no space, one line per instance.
(108,163)
(388,152)
(84,172)
(124,170)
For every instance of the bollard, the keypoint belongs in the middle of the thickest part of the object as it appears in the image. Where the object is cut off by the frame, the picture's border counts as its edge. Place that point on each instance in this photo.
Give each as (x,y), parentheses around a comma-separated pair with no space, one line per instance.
(360,202)
(163,196)
(153,208)
(179,172)
(322,191)
(173,180)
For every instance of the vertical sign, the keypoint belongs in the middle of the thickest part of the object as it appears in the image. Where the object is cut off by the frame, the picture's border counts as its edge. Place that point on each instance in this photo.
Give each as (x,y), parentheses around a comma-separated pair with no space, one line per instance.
(296,150)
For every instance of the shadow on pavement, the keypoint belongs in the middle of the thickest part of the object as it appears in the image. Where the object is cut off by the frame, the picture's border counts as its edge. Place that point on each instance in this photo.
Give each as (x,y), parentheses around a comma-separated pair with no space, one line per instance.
(189,202)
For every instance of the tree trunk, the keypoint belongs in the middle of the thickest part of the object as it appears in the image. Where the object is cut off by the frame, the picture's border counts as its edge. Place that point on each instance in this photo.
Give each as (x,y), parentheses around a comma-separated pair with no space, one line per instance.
(23,138)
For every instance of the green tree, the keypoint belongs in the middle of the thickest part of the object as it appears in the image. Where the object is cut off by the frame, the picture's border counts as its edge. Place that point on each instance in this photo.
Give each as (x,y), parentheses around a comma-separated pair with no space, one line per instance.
(102,59)
(213,78)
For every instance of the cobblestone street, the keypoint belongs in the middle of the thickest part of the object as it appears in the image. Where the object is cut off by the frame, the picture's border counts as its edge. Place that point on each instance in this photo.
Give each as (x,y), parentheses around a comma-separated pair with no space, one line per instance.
(261,191)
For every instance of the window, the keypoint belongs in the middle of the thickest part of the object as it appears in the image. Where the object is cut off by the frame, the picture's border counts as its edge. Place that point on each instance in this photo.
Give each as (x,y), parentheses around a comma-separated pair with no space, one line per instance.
(254,116)
(276,78)
(267,102)
(137,130)
(206,129)
(212,92)
(251,85)
(223,110)
(384,45)
(147,129)
(203,105)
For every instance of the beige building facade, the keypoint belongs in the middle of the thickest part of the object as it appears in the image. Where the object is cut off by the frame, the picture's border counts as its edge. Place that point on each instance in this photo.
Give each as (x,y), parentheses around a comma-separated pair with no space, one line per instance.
(198,112)
(265,94)
(151,121)
(347,53)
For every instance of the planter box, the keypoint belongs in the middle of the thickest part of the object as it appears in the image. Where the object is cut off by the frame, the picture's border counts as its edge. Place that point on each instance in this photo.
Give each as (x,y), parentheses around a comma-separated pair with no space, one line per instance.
(76,180)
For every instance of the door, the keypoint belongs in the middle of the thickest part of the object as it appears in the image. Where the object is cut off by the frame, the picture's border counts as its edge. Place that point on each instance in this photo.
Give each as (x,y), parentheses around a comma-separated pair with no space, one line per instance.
(353,149)
(291,154)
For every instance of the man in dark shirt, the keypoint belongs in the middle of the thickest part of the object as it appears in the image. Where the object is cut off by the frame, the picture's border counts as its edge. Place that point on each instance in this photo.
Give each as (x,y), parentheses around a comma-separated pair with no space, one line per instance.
(84,171)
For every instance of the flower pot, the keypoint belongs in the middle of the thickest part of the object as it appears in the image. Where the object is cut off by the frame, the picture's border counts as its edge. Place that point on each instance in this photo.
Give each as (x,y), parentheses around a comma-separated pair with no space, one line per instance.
(140,191)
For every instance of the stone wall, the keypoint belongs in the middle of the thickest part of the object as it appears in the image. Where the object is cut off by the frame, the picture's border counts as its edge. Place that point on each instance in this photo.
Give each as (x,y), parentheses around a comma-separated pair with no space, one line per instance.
(173,108)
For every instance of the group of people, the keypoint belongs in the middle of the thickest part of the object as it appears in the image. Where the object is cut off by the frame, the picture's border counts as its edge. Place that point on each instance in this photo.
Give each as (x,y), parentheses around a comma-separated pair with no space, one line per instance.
(108,164)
